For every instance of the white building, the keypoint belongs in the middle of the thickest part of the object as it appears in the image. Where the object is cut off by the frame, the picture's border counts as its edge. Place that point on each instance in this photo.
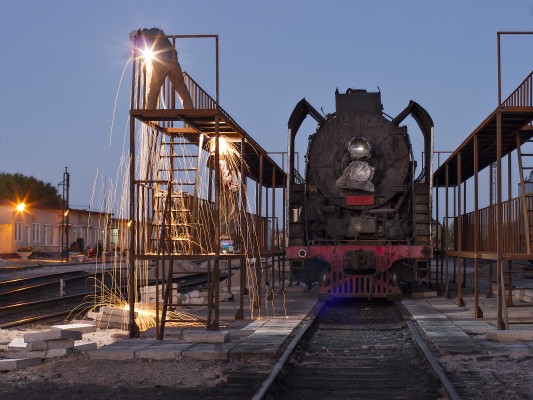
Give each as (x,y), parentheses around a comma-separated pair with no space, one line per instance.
(40,228)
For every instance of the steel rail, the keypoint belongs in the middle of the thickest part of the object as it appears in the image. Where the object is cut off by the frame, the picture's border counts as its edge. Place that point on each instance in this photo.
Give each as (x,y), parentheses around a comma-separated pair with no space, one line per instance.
(17,281)
(278,367)
(192,280)
(446,383)
(41,285)
(36,318)
(437,368)
(53,300)
(74,296)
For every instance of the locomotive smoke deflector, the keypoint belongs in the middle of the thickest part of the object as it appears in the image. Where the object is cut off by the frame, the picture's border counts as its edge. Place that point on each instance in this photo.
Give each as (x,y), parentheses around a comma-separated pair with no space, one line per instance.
(425,123)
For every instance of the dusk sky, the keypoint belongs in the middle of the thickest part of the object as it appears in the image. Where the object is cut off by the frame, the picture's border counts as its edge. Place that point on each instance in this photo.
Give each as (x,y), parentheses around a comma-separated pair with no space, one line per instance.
(62,62)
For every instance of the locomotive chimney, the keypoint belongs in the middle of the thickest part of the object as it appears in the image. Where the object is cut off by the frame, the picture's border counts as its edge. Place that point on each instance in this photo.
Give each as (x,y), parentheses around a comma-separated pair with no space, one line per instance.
(358,100)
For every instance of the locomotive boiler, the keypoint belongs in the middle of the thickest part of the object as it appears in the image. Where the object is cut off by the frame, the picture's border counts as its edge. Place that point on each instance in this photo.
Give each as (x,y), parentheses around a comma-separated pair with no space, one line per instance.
(360,218)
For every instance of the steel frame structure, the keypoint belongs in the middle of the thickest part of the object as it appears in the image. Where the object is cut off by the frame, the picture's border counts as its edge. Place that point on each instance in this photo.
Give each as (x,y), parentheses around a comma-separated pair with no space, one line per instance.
(503,231)
(192,126)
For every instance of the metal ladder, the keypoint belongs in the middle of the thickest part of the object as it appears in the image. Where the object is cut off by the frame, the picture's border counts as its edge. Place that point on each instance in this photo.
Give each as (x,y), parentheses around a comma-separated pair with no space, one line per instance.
(175,218)
(175,208)
(422,227)
(527,223)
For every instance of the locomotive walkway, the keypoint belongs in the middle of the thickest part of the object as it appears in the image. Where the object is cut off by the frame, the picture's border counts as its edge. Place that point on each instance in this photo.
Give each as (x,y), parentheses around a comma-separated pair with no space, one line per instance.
(454,330)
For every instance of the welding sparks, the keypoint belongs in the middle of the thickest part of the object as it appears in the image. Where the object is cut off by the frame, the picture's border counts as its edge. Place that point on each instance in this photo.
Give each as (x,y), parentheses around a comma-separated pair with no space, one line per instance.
(175,218)
(148,55)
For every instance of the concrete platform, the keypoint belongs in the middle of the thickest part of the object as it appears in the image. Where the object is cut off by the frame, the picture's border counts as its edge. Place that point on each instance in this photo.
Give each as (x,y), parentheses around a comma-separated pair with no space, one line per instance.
(257,338)
(454,330)
(451,329)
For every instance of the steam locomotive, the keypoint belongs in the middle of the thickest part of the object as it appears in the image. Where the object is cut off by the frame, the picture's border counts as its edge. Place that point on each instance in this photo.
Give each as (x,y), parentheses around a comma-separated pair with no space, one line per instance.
(360,219)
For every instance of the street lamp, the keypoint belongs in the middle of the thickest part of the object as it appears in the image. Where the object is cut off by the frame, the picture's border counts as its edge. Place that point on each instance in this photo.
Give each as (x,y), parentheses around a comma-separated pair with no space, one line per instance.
(64,221)
(21,207)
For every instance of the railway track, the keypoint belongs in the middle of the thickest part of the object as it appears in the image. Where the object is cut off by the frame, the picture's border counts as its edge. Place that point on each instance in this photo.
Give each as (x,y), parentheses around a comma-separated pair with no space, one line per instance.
(357,350)
(36,299)
(42,287)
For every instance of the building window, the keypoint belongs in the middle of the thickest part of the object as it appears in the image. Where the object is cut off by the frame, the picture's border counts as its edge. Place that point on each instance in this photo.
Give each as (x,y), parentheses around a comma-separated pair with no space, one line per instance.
(47,233)
(55,235)
(18,232)
(92,235)
(51,235)
(36,233)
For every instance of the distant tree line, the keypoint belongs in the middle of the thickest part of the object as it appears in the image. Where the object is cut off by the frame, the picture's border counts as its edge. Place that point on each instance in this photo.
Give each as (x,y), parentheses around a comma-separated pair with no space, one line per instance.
(18,187)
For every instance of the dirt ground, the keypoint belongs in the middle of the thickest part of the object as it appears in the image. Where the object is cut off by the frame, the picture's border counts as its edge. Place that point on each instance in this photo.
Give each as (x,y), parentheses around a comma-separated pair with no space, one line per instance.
(79,377)
(478,376)
(497,375)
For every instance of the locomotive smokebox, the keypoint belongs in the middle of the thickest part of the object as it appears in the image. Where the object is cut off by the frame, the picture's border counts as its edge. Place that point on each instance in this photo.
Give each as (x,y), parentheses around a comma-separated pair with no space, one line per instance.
(360,219)
(358,159)
(358,100)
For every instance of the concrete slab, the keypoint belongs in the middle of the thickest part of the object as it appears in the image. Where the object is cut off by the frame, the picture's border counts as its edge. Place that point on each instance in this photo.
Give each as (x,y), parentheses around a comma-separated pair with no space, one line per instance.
(118,351)
(267,338)
(17,343)
(84,347)
(50,344)
(246,351)
(111,325)
(118,312)
(424,294)
(83,328)
(163,351)
(208,351)
(254,325)
(206,336)
(52,353)
(52,335)
(108,318)
(510,336)
(18,363)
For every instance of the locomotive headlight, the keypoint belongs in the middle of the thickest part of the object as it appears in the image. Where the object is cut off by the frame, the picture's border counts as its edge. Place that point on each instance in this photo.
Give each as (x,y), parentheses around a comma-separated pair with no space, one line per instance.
(359,148)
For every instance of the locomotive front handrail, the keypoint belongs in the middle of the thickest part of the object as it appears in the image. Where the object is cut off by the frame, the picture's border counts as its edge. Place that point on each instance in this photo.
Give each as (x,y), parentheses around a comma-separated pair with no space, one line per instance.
(298,179)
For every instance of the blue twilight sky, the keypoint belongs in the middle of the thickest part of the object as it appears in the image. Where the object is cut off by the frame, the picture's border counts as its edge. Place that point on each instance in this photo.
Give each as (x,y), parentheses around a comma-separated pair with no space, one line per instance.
(62,62)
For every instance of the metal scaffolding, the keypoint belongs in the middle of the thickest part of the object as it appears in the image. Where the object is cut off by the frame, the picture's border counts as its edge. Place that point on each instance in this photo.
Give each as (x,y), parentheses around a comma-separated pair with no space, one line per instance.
(188,204)
(503,231)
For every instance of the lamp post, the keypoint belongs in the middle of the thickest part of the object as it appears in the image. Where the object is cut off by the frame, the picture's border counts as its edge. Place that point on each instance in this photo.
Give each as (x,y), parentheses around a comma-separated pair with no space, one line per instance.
(19,210)
(64,221)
